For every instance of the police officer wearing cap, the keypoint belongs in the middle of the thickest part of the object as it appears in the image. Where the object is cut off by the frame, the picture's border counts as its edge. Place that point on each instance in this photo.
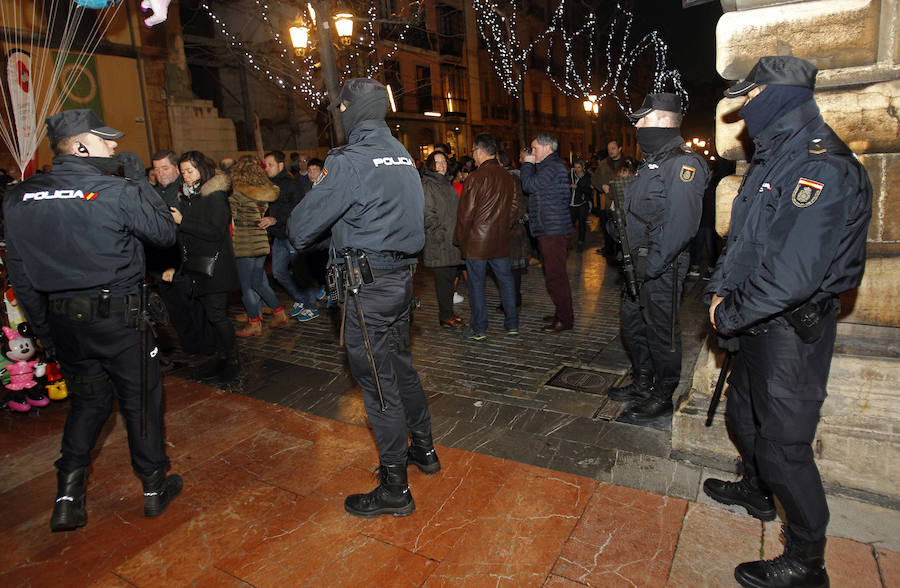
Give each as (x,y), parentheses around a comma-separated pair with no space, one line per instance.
(797,239)
(663,206)
(76,262)
(370,196)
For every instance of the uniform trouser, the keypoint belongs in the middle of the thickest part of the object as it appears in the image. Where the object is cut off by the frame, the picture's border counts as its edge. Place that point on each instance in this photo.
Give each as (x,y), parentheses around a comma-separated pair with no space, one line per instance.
(443,287)
(554,250)
(100,358)
(386,306)
(647,328)
(776,390)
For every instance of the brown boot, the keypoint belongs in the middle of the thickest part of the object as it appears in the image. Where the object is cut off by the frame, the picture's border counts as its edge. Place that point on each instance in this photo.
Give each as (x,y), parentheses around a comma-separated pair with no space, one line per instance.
(253,328)
(279,317)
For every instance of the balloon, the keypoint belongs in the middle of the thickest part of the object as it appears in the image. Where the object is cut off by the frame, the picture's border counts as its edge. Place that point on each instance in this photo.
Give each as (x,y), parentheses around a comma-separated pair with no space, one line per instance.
(95,4)
(160,10)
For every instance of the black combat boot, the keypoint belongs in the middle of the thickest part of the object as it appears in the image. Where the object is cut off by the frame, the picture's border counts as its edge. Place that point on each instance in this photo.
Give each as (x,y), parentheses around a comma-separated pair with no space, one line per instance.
(69,512)
(657,404)
(422,453)
(638,389)
(159,491)
(802,565)
(392,496)
(746,492)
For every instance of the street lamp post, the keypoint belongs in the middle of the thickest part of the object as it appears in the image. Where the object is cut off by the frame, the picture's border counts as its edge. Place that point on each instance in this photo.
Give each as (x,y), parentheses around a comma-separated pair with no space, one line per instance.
(320,14)
(592,109)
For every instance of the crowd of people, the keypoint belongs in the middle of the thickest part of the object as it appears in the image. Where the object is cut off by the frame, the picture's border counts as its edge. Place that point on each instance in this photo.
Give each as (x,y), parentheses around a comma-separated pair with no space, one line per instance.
(796,241)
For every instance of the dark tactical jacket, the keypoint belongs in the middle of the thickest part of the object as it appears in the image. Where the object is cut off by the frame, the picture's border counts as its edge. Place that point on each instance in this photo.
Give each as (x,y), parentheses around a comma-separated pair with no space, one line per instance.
(370,195)
(798,224)
(663,205)
(78,230)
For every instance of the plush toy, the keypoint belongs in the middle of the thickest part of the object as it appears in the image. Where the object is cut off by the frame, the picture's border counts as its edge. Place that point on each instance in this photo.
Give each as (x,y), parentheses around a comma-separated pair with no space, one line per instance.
(23,391)
(160,10)
(55,385)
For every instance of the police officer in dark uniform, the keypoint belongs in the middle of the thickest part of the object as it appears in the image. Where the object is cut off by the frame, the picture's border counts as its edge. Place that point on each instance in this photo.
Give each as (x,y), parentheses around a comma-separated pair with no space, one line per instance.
(79,290)
(797,239)
(370,196)
(663,206)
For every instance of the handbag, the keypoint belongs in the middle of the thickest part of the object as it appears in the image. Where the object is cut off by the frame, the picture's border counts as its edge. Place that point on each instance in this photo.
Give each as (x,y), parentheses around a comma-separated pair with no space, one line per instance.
(199,265)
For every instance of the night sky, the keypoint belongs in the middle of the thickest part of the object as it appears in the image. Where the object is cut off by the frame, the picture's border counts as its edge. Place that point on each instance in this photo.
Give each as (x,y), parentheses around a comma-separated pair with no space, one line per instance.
(691,36)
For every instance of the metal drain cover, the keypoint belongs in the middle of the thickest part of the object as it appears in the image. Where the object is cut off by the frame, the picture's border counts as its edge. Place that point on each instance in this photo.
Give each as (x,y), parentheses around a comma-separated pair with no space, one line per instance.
(583,380)
(594,382)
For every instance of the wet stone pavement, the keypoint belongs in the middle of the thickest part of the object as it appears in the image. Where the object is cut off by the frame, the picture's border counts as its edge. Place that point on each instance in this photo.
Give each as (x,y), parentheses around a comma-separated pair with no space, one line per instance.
(540,486)
(534,398)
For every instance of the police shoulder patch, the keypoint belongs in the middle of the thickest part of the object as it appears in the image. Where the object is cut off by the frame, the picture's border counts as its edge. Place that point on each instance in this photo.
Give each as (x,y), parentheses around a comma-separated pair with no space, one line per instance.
(687,173)
(806,192)
(321,177)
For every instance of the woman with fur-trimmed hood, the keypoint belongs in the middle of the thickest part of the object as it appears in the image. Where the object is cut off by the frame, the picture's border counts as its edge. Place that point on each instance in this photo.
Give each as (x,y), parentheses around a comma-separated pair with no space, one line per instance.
(204,222)
(252,191)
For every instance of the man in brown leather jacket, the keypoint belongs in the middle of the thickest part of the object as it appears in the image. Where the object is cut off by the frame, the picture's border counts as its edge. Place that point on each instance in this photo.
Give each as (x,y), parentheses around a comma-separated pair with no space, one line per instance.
(487,210)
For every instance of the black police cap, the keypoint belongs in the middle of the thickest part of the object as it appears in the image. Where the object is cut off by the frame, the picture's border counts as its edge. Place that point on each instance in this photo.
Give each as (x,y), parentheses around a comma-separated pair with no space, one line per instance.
(781,70)
(357,87)
(75,122)
(663,101)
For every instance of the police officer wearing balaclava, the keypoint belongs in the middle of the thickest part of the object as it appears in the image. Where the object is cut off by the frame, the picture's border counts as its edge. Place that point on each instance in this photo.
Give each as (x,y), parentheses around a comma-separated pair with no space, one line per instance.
(663,206)
(370,196)
(797,239)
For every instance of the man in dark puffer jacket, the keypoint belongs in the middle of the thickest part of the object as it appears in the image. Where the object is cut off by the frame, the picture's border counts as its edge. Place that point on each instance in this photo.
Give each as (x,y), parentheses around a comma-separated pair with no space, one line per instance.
(545,179)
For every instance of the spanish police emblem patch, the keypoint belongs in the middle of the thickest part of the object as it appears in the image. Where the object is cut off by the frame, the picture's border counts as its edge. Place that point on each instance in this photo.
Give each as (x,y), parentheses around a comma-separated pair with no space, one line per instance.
(687,173)
(806,192)
(321,177)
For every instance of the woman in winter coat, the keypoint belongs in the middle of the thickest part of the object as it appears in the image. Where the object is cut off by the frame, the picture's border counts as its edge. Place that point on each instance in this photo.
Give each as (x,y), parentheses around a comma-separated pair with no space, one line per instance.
(204,222)
(251,193)
(441,202)
(582,196)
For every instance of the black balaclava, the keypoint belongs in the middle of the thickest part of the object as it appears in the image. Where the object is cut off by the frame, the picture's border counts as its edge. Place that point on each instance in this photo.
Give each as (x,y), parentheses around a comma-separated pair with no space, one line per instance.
(771,104)
(653,139)
(372,105)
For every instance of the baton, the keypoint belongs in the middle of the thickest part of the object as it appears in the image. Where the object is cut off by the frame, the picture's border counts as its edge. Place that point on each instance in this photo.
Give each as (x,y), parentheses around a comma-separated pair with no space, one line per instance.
(717,393)
(368,345)
(674,303)
(144,329)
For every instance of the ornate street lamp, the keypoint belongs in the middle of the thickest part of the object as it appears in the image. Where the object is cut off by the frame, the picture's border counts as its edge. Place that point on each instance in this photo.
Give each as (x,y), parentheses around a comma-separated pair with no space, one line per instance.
(343,23)
(300,38)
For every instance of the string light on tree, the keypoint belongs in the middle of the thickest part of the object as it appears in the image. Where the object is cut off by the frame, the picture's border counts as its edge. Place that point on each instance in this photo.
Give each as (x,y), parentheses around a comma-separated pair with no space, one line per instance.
(300,73)
(498,25)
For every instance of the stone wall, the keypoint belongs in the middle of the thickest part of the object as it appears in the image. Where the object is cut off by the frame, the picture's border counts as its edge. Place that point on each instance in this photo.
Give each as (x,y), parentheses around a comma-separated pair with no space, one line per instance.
(856,46)
(195,125)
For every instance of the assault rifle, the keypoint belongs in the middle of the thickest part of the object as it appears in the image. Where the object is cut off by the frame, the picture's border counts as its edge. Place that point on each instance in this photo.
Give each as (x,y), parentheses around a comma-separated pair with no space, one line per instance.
(617,190)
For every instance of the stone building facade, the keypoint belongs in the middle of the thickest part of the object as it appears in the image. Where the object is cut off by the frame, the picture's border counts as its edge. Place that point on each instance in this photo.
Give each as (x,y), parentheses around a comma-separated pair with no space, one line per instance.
(856,46)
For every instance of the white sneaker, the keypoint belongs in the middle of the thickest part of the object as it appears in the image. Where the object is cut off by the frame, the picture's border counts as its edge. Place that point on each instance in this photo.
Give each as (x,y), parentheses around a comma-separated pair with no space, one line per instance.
(457,298)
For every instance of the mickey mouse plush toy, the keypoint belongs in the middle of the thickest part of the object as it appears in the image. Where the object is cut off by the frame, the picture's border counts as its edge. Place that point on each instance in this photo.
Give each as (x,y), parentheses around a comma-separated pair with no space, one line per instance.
(23,391)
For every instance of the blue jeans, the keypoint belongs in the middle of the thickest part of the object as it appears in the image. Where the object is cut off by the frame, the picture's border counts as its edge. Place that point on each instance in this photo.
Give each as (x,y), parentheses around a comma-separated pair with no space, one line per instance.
(255,287)
(282,255)
(477,269)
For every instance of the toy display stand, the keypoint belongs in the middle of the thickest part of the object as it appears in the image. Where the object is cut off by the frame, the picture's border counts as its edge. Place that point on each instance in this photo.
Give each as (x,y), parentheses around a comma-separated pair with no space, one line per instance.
(11,316)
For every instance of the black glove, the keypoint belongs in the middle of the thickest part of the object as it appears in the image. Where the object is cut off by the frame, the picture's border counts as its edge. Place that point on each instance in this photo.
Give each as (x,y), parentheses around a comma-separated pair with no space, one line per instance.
(132,165)
(730,344)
